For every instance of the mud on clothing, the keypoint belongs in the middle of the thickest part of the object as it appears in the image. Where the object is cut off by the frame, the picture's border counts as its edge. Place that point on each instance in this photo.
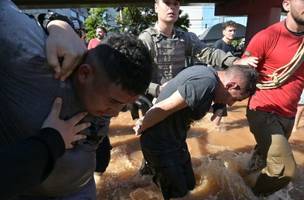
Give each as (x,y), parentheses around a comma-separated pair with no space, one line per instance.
(271,111)
(164,145)
(27,92)
(271,133)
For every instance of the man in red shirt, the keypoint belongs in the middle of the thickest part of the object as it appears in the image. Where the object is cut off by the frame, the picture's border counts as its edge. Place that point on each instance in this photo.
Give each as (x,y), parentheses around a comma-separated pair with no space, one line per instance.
(101,32)
(272,108)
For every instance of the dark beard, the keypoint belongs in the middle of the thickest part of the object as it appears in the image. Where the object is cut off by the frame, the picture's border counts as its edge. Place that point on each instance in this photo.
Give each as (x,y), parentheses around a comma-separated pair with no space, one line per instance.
(299,21)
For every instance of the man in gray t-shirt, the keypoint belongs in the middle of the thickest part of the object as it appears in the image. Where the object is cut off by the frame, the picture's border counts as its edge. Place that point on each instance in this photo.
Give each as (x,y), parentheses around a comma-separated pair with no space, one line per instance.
(186,98)
(109,77)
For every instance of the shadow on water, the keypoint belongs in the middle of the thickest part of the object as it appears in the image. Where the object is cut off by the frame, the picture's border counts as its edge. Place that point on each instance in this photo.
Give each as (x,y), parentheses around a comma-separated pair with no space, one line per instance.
(237,107)
(236,124)
(120,130)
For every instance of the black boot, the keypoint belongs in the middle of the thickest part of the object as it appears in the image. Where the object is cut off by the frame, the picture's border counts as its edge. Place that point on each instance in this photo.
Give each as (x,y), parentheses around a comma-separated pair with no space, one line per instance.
(267,185)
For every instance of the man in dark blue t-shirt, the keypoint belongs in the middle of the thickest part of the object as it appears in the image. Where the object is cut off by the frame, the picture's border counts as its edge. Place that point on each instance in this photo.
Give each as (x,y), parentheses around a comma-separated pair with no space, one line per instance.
(186,98)
(225,43)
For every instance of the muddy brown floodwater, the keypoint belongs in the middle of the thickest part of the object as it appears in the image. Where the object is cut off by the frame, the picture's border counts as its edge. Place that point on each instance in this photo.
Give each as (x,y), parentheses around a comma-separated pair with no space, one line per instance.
(219,158)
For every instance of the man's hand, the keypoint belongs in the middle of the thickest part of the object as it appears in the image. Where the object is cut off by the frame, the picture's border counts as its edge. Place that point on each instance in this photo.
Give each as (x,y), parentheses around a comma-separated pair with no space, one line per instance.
(251,61)
(68,129)
(64,48)
(217,117)
(138,127)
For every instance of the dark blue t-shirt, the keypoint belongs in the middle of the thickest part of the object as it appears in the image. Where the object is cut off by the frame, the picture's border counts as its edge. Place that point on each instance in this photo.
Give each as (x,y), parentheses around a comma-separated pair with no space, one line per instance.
(197,86)
(220,44)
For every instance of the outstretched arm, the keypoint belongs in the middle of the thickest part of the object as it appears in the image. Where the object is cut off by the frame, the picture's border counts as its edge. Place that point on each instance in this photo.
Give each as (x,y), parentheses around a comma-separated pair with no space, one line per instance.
(160,111)
(217,57)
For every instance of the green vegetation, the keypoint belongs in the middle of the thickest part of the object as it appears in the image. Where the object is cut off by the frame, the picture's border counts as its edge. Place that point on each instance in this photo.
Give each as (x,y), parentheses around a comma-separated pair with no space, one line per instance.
(129,19)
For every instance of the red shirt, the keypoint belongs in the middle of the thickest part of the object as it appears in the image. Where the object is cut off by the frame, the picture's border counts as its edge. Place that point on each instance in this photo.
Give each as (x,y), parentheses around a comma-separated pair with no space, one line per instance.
(93,43)
(275,47)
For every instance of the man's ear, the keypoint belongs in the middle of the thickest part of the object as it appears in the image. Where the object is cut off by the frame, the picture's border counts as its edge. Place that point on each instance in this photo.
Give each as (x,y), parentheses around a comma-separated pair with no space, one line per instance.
(85,72)
(286,5)
(155,7)
(231,85)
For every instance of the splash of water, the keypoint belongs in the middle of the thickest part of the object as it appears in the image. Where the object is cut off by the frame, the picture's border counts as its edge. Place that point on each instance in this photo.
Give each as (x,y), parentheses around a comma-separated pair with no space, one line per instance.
(218,177)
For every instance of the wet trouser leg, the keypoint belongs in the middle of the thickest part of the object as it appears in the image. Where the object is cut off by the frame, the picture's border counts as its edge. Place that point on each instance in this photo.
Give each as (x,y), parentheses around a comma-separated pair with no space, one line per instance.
(173,173)
(175,181)
(271,133)
(103,151)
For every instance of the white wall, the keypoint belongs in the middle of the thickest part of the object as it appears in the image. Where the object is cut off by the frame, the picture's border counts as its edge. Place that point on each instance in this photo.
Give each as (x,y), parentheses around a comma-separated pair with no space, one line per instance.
(196,17)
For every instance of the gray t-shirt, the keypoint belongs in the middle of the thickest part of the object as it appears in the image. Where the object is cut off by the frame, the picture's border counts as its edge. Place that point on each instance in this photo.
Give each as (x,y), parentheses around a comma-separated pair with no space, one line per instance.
(27,92)
(197,86)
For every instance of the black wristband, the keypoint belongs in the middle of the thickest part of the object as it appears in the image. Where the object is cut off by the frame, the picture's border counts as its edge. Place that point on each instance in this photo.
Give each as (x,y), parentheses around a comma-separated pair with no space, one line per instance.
(54,16)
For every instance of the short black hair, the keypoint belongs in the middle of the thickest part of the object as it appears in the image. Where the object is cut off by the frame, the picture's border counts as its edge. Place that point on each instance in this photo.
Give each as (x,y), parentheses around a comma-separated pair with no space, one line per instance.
(125,61)
(249,74)
(229,23)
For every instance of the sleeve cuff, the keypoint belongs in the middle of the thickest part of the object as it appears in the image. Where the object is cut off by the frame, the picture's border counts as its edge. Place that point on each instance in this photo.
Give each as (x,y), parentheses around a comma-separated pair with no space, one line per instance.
(228,62)
(53,140)
(153,89)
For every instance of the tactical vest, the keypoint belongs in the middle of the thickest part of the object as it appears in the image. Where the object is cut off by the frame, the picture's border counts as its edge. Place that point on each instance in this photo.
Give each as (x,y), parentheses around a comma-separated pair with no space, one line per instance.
(170,54)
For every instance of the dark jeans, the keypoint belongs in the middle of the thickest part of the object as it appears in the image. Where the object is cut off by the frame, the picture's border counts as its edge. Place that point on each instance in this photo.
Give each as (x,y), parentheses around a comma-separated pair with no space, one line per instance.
(103,155)
(172,172)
